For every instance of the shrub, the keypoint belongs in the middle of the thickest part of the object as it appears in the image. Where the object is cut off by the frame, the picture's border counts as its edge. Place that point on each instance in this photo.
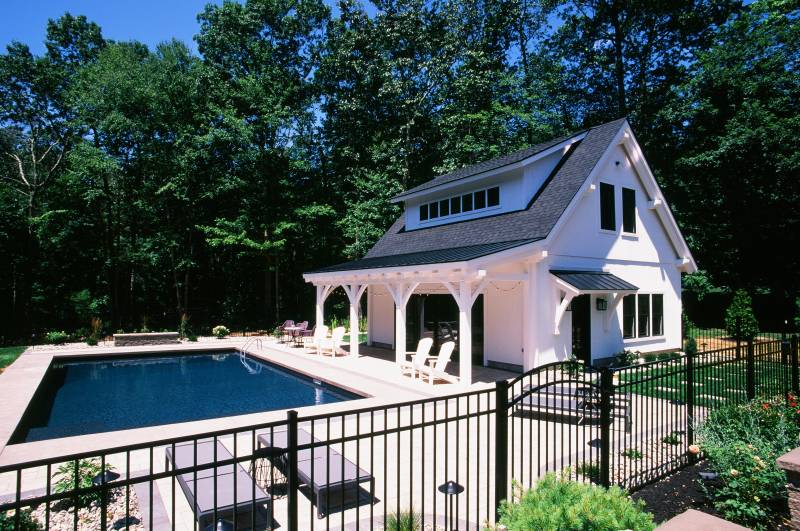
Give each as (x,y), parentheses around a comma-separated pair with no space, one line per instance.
(192,338)
(740,321)
(650,356)
(589,470)
(184,329)
(55,337)
(573,367)
(664,356)
(691,347)
(26,521)
(64,479)
(742,442)
(673,439)
(632,453)
(626,358)
(220,331)
(91,341)
(405,521)
(557,503)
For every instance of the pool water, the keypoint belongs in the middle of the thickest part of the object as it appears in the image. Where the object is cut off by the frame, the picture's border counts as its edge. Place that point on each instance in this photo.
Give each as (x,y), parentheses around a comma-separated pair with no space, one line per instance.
(81,397)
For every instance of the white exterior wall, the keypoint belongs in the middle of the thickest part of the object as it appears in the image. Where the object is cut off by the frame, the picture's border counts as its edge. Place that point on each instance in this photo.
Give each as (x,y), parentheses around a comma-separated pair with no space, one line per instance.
(381,315)
(503,319)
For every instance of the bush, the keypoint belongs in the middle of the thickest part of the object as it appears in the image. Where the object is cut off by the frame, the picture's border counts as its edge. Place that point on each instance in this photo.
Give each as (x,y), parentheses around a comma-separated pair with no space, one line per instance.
(740,321)
(632,453)
(91,341)
(220,331)
(557,503)
(26,521)
(650,356)
(691,347)
(64,479)
(573,367)
(405,521)
(626,358)
(742,442)
(55,337)
(192,338)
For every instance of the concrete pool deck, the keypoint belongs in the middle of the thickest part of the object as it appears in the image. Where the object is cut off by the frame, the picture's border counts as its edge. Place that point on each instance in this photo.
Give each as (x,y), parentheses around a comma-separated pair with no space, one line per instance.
(371,375)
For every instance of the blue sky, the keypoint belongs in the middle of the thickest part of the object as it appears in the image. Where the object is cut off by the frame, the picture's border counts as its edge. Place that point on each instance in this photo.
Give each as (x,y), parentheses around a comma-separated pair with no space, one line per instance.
(149,21)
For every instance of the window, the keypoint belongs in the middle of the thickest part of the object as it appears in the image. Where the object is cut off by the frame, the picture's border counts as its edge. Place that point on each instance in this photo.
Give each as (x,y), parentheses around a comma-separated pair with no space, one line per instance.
(643,316)
(608,219)
(493,196)
(423,212)
(466,202)
(628,210)
(451,206)
(480,199)
(629,316)
(658,315)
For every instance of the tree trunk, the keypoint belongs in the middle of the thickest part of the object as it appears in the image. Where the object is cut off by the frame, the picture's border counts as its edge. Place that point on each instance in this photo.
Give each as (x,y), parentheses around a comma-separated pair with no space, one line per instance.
(619,65)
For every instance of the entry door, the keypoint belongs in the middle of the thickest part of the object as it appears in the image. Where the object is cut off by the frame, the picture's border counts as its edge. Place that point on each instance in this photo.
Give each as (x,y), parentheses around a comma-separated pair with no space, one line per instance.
(581,329)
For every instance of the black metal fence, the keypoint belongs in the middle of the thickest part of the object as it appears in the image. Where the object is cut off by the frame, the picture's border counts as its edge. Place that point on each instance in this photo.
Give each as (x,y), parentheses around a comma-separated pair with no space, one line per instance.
(444,461)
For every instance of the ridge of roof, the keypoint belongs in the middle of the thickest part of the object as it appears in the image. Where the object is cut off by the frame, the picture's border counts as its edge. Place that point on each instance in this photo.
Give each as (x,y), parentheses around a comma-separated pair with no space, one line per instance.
(488,165)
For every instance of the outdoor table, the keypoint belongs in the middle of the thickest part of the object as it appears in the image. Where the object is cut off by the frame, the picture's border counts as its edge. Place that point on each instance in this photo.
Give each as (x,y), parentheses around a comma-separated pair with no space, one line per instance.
(292,332)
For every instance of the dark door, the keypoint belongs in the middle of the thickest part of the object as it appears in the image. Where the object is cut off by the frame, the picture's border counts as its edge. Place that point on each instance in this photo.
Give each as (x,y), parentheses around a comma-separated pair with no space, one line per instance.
(581,329)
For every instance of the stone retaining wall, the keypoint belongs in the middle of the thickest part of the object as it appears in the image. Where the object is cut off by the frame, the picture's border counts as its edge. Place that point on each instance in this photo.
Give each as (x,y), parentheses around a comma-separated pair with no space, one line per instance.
(151,338)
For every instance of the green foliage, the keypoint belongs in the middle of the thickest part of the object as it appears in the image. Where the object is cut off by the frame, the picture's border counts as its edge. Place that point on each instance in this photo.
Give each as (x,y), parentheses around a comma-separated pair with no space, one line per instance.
(632,453)
(56,337)
(192,338)
(66,478)
(626,358)
(650,356)
(405,521)
(556,503)
(589,470)
(742,442)
(220,331)
(740,321)
(91,341)
(573,367)
(698,283)
(690,346)
(26,521)
(664,356)
(9,354)
(673,439)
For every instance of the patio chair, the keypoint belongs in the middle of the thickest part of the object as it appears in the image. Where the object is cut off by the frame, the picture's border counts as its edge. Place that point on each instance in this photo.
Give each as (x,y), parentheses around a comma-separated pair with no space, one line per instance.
(333,344)
(297,335)
(210,491)
(327,473)
(438,365)
(313,339)
(419,358)
(282,328)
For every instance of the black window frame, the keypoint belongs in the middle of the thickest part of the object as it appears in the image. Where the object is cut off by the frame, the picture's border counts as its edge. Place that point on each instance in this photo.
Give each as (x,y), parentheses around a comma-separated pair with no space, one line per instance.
(480,200)
(434,210)
(493,197)
(455,205)
(466,199)
(608,207)
(643,311)
(657,317)
(629,210)
(629,316)
(423,212)
(444,208)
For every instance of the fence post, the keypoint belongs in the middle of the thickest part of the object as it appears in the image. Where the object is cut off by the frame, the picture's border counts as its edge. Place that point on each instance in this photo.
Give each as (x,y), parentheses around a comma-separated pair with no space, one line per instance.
(500,445)
(690,401)
(291,472)
(795,371)
(751,370)
(606,390)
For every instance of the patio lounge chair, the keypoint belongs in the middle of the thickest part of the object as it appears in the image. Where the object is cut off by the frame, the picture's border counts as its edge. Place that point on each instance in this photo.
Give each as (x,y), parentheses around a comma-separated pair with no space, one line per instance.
(204,493)
(580,401)
(327,474)
(437,367)
(419,358)
(333,344)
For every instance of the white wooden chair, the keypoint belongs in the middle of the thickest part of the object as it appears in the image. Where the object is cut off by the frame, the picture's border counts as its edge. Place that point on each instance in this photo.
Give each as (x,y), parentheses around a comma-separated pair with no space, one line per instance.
(331,346)
(313,342)
(418,359)
(437,369)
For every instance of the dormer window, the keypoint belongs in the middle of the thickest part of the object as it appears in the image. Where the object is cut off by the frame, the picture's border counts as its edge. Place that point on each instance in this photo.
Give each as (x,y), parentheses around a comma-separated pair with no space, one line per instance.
(461,204)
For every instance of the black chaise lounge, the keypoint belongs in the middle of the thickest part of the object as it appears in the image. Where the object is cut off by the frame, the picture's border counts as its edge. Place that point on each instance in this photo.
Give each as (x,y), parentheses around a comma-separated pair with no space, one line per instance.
(327,474)
(580,401)
(201,495)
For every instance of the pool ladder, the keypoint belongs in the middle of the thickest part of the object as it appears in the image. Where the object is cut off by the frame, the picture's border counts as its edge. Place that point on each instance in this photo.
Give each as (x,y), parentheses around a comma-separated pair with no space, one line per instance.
(252,369)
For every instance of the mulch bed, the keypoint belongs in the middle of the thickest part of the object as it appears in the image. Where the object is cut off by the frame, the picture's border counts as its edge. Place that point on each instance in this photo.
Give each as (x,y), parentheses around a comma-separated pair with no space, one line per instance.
(679,492)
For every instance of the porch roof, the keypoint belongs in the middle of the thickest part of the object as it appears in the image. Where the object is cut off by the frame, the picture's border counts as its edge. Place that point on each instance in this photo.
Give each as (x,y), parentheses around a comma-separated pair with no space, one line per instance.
(594,281)
(438,256)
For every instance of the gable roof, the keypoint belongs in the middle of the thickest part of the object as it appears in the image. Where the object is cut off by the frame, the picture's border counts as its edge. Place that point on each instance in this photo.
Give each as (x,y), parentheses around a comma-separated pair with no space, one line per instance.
(481,167)
(533,223)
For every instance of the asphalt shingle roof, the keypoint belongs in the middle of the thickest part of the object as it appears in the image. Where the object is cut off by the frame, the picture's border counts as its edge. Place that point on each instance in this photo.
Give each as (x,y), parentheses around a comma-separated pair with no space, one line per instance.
(398,247)
(441,256)
(593,280)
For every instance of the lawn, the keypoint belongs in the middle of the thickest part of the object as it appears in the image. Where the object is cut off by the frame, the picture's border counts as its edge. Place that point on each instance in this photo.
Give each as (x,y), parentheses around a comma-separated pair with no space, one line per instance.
(713,384)
(8,355)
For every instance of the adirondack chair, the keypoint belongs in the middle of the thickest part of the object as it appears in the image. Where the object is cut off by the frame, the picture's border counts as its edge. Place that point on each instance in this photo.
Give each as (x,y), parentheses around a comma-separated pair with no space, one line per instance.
(437,367)
(419,358)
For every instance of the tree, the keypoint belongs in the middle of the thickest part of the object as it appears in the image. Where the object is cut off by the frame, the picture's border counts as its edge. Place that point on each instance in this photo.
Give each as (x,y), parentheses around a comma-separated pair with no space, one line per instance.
(740,321)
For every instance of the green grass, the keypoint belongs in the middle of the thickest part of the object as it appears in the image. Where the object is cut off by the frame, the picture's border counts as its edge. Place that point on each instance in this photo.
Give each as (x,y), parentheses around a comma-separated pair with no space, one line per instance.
(9,354)
(728,382)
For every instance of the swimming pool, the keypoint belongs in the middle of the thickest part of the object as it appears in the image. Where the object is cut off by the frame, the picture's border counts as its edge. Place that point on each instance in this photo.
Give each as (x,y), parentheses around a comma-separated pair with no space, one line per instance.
(94,396)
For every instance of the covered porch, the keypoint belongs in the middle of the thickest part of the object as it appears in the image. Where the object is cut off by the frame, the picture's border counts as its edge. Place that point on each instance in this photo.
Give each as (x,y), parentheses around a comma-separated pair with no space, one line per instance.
(396,326)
